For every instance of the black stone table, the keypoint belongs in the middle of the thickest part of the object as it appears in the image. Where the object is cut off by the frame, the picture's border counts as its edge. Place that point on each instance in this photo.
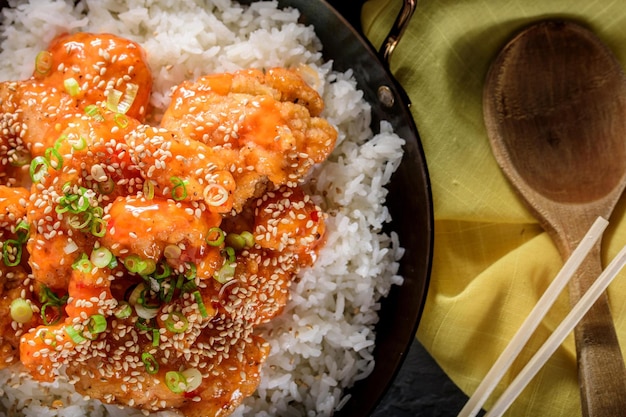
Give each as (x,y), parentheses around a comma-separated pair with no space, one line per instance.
(421,389)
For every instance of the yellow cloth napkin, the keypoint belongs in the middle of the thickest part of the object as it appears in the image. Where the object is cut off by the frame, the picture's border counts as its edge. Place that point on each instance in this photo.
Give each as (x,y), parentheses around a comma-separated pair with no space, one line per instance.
(492,261)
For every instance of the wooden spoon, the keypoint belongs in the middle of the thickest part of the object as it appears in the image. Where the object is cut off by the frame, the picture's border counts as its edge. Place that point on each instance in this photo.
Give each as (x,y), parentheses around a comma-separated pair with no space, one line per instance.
(555,111)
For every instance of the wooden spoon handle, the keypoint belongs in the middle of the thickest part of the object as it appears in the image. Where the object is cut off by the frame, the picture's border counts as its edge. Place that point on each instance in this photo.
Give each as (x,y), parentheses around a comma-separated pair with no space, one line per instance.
(601,371)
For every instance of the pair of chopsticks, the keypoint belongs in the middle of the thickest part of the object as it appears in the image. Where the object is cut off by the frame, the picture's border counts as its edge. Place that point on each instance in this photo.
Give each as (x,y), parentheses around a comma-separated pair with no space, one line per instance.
(499,368)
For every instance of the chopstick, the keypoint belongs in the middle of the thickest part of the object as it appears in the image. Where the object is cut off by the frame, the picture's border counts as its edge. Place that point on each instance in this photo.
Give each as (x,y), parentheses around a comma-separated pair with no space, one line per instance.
(558,336)
(530,324)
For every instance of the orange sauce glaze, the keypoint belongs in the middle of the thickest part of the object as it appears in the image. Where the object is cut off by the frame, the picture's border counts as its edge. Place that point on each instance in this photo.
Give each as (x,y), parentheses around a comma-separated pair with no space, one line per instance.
(152,252)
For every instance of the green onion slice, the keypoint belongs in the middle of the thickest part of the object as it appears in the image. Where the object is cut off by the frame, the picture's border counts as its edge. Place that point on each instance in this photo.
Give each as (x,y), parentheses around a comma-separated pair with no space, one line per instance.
(175,381)
(94,111)
(82,264)
(215,236)
(123,310)
(152,366)
(179,190)
(191,271)
(193,379)
(198,297)
(12,252)
(176,322)
(121,120)
(101,257)
(38,168)
(20,310)
(98,227)
(43,62)
(215,195)
(71,87)
(113,99)
(134,263)
(96,325)
(54,158)
(74,334)
(156,337)
(225,273)
(148,189)
(78,144)
(128,99)
(22,230)
(44,315)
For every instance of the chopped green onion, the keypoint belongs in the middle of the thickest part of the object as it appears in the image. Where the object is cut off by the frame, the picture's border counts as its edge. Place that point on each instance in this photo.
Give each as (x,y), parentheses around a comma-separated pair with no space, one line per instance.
(71,87)
(22,230)
(152,366)
(47,337)
(176,322)
(57,161)
(44,316)
(43,62)
(129,98)
(81,220)
(113,99)
(148,189)
(134,263)
(38,168)
(93,111)
(47,295)
(198,297)
(121,120)
(82,264)
(248,238)
(193,379)
(215,236)
(172,252)
(156,337)
(175,381)
(21,311)
(107,186)
(230,254)
(235,241)
(146,312)
(101,257)
(215,195)
(149,267)
(12,252)
(146,325)
(189,286)
(225,273)
(179,191)
(240,241)
(162,271)
(191,271)
(167,297)
(98,227)
(123,310)
(74,334)
(78,144)
(97,324)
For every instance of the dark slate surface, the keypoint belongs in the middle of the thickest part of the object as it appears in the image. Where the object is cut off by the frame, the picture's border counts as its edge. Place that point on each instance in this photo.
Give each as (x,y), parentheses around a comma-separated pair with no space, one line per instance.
(421,389)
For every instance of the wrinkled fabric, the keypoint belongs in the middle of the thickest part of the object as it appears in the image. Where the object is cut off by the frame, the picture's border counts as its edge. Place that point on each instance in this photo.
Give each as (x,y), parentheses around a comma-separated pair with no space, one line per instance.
(492,261)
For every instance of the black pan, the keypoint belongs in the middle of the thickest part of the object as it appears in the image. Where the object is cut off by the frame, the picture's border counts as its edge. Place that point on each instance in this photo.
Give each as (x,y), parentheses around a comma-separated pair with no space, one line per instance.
(409,199)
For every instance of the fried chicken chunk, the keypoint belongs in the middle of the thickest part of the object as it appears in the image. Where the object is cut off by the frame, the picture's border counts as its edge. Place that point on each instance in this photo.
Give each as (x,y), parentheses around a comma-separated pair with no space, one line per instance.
(263,126)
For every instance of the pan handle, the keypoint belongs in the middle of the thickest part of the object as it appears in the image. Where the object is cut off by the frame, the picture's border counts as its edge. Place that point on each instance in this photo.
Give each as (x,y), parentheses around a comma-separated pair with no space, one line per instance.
(396,31)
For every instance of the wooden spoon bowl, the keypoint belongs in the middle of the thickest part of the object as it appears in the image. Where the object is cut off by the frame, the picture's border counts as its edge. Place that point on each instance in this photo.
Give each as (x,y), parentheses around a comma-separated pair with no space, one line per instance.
(555,111)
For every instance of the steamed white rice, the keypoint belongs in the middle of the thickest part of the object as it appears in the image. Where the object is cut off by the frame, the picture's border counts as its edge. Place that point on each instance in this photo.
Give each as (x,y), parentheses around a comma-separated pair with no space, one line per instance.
(323,342)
